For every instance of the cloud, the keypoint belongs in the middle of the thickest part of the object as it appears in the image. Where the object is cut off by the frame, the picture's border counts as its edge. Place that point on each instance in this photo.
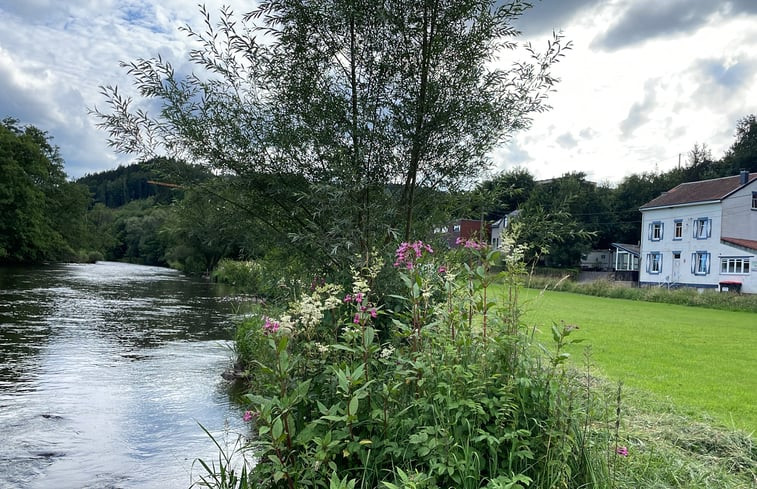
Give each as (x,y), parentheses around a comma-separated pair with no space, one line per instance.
(639,113)
(644,20)
(552,15)
(566,141)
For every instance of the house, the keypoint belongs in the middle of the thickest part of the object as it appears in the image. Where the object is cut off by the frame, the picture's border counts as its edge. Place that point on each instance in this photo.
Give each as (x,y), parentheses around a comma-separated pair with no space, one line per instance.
(499,227)
(464,229)
(627,261)
(703,235)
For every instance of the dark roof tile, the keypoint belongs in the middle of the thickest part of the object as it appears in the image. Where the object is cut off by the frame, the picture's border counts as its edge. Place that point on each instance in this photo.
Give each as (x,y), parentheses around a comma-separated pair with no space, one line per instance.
(704,191)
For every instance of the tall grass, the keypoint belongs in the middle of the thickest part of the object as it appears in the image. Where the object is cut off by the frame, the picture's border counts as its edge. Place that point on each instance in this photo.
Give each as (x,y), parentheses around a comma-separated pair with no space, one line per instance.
(685,296)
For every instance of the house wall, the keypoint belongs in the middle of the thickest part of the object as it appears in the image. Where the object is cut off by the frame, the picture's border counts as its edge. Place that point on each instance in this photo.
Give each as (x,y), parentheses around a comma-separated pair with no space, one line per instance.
(677,272)
(680,273)
(739,220)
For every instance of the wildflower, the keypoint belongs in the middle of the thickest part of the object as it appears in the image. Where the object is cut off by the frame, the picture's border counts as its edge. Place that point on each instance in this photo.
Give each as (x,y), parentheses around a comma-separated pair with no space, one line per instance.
(356,319)
(407,253)
(386,352)
(622,451)
(374,313)
(270,326)
(359,297)
(441,270)
(248,415)
(347,298)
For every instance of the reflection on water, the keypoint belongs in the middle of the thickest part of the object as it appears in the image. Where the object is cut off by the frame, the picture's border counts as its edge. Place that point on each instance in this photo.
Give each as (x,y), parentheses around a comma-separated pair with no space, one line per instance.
(105,372)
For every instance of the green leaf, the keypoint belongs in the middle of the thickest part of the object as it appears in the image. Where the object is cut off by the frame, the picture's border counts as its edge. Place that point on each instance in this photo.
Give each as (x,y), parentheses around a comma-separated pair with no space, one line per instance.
(353,406)
(277,429)
(369,335)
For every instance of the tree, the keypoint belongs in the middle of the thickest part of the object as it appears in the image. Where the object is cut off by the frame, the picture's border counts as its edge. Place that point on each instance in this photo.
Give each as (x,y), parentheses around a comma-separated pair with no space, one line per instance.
(41,214)
(370,103)
(742,155)
(504,193)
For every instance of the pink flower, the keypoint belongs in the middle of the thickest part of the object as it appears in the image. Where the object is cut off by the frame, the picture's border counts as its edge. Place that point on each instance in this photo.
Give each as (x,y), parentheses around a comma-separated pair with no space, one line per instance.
(407,253)
(359,297)
(622,451)
(347,298)
(356,319)
(247,416)
(374,313)
(270,326)
(442,270)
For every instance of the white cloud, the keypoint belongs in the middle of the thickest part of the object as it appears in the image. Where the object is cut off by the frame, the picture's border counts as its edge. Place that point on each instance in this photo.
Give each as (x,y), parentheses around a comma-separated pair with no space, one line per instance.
(644,81)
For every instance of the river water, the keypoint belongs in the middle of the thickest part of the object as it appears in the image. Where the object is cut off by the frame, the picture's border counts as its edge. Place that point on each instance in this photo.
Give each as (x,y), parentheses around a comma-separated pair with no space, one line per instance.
(107,371)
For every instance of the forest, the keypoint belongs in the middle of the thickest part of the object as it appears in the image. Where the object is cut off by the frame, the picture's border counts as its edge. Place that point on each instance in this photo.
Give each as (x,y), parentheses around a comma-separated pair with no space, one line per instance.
(170,213)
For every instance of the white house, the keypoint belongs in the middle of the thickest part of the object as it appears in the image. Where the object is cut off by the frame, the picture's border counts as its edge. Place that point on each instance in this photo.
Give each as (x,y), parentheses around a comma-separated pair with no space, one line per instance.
(703,235)
(499,227)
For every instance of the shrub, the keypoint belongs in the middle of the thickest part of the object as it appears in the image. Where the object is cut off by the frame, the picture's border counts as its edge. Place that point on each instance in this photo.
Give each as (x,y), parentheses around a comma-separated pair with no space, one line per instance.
(245,275)
(444,390)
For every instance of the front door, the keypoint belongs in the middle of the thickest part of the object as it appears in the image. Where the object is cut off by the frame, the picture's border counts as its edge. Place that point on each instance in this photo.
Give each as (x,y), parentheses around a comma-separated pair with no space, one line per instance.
(676,274)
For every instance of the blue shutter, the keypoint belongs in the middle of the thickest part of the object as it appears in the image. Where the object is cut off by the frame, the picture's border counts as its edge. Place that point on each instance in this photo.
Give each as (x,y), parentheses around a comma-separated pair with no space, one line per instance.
(662,230)
(707,257)
(709,227)
(693,263)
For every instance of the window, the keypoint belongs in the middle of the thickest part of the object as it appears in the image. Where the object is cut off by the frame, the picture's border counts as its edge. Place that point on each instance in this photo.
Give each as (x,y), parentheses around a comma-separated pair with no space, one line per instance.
(655,231)
(734,265)
(678,230)
(702,228)
(654,262)
(754,201)
(456,228)
(676,255)
(700,263)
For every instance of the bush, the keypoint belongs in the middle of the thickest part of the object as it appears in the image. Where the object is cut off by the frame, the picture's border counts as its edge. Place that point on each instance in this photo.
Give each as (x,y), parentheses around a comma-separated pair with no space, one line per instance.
(445,390)
(244,275)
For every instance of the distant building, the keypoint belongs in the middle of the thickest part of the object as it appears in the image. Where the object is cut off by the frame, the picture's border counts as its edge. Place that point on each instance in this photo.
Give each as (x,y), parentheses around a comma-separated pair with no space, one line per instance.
(499,227)
(465,229)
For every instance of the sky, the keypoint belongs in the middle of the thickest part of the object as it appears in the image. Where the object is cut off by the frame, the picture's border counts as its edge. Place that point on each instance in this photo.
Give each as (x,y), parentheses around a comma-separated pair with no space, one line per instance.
(644,81)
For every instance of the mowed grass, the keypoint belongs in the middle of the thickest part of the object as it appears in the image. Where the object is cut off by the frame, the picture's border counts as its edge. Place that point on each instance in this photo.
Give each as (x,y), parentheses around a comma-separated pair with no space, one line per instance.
(703,360)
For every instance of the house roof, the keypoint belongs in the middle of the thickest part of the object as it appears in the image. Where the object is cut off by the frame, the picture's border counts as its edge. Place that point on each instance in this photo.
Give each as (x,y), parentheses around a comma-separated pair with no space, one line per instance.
(703,191)
(633,249)
(749,244)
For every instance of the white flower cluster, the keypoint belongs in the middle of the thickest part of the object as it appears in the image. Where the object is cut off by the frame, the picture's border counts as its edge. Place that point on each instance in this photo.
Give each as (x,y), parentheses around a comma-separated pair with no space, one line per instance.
(386,352)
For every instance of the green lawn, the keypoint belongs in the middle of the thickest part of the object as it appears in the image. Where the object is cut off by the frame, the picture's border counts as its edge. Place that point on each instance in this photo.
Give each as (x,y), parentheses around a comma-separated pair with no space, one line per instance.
(701,359)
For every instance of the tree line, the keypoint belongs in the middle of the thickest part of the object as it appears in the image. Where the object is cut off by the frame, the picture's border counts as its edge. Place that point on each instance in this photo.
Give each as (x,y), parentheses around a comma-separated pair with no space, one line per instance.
(562,218)
(169,213)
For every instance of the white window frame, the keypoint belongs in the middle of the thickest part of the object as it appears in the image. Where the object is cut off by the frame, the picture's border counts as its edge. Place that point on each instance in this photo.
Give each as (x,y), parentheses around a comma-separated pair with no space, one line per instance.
(702,227)
(678,229)
(655,231)
(735,265)
(700,263)
(654,263)
(754,201)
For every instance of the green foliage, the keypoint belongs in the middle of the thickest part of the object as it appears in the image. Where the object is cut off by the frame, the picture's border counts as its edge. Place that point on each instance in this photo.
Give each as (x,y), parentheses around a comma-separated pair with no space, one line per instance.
(244,275)
(42,216)
(444,390)
(345,109)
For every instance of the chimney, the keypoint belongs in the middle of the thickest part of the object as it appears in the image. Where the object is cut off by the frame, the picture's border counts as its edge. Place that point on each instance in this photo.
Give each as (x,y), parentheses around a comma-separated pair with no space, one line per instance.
(743,177)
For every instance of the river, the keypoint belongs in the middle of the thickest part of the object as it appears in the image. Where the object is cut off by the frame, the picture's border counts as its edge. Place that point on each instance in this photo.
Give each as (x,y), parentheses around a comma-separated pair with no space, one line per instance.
(107,371)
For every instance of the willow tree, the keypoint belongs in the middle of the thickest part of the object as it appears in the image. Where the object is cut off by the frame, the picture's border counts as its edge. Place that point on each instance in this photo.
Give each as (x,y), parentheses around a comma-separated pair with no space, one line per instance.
(378,108)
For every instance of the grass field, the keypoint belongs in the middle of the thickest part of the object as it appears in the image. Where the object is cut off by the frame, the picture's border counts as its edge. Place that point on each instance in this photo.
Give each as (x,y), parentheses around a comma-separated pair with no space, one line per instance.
(702,360)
